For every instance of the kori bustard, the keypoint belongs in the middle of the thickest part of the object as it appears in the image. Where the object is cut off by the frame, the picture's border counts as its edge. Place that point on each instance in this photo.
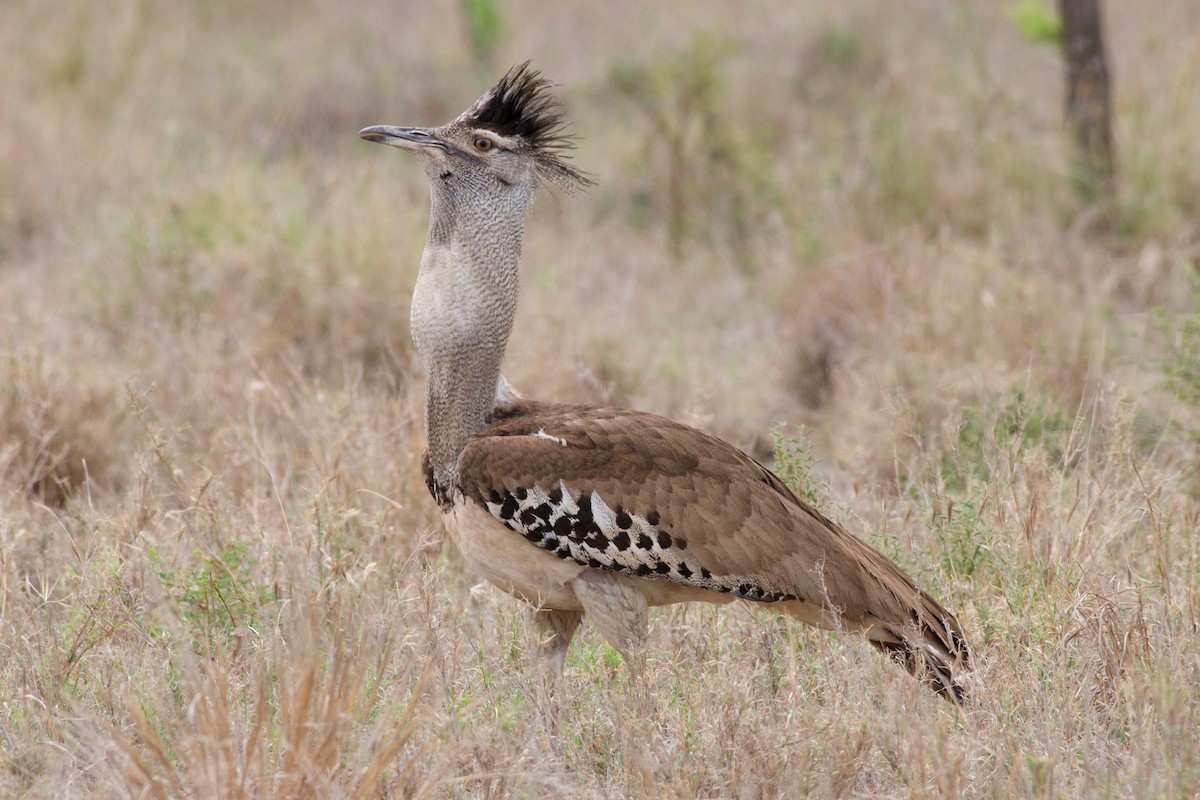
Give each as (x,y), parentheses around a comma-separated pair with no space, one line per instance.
(587,510)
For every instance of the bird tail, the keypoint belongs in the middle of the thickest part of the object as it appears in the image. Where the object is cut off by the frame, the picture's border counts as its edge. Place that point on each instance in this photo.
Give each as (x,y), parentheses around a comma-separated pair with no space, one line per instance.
(931,645)
(921,636)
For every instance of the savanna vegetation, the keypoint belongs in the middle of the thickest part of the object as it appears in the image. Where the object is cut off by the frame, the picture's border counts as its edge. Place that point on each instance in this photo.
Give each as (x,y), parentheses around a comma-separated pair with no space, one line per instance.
(851,223)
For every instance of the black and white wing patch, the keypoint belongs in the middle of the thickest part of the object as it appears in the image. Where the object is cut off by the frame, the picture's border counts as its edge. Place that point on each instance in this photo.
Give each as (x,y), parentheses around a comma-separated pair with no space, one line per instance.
(581,526)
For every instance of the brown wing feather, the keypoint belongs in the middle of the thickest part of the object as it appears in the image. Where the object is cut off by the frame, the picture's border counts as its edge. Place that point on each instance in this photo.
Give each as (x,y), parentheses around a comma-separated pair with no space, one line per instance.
(734,515)
(729,523)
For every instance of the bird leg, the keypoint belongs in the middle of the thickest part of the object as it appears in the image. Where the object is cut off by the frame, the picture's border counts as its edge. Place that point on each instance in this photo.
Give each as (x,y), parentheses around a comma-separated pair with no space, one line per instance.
(618,610)
(549,632)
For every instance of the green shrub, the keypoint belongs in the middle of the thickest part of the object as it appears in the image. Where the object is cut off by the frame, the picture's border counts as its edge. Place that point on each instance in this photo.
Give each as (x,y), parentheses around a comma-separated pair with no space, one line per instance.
(795,462)
(1036,22)
(1182,364)
(219,594)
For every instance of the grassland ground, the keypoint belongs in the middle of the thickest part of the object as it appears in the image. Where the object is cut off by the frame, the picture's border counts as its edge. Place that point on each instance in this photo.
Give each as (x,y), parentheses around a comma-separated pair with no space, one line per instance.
(220,572)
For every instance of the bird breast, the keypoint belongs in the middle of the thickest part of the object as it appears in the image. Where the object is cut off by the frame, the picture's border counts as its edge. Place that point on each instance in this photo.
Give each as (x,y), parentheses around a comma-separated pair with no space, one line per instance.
(492,552)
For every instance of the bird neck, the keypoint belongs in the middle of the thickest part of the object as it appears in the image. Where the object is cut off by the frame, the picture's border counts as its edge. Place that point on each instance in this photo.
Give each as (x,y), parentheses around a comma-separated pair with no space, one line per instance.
(463,310)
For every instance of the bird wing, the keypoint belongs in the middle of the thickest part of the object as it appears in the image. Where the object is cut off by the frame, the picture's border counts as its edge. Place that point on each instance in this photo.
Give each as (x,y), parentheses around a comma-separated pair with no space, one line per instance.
(643,495)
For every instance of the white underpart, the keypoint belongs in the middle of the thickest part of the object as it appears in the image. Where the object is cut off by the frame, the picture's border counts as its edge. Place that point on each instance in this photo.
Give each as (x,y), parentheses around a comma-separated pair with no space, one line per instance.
(537,576)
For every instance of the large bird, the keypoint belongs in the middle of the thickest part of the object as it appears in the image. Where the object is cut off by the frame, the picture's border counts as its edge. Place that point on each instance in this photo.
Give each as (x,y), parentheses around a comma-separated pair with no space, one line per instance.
(588,510)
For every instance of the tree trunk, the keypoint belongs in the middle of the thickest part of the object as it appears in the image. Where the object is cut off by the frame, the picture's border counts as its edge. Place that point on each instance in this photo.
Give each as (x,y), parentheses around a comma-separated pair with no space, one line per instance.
(1089,111)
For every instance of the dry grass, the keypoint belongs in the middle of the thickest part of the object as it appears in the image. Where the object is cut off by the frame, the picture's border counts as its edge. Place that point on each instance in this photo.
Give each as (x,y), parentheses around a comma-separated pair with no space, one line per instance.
(221,574)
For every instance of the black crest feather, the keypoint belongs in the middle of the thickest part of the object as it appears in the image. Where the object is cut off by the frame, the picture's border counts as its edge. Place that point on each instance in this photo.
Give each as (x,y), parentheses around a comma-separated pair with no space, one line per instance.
(520,105)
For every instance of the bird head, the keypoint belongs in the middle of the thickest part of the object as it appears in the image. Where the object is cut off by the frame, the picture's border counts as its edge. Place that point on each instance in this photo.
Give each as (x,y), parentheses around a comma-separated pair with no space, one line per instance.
(510,140)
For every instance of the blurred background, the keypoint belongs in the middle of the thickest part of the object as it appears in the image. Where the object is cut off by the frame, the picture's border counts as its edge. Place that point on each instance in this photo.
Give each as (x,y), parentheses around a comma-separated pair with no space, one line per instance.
(862,218)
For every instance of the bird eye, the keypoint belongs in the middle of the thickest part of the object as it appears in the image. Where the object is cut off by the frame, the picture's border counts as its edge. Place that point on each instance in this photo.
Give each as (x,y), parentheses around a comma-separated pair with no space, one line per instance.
(483,144)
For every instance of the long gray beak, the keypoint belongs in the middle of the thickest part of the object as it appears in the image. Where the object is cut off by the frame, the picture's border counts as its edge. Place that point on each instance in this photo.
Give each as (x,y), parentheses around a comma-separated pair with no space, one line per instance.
(404,138)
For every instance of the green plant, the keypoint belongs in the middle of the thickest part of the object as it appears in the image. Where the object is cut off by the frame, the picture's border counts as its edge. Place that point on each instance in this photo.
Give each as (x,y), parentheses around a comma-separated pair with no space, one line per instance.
(1036,22)
(964,540)
(485,28)
(1182,364)
(220,593)
(718,177)
(100,613)
(588,657)
(843,48)
(1015,421)
(795,462)
(902,169)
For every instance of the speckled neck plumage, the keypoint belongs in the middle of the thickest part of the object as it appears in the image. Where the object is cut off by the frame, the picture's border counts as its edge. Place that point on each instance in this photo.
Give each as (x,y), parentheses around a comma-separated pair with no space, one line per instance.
(462,313)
